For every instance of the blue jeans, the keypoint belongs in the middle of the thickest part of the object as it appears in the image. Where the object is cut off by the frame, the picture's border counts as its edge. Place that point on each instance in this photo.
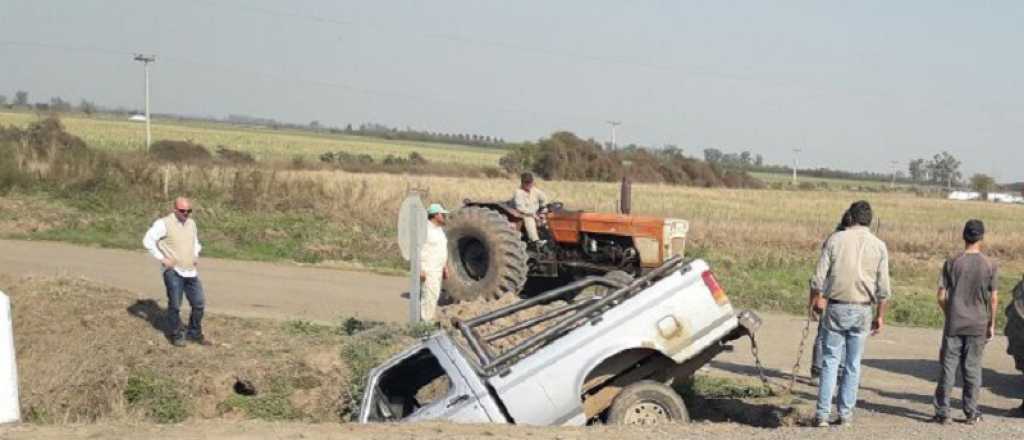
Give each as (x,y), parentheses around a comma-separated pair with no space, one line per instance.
(193,290)
(845,327)
(819,348)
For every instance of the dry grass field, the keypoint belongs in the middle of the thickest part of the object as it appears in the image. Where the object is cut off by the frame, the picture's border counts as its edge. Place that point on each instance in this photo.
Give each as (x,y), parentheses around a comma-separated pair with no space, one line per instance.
(118,135)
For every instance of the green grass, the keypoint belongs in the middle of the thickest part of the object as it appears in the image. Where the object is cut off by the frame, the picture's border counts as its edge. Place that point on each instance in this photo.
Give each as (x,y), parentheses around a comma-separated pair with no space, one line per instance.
(158,396)
(710,387)
(272,404)
(110,134)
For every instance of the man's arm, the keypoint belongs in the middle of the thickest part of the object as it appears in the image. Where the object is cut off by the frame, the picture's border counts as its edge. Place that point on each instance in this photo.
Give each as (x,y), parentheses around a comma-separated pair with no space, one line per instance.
(992,314)
(883,290)
(941,298)
(155,233)
(879,323)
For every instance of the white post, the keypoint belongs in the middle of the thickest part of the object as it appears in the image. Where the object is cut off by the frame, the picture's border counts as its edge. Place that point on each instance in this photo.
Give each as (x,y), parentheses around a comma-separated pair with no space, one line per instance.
(149,135)
(414,273)
(10,410)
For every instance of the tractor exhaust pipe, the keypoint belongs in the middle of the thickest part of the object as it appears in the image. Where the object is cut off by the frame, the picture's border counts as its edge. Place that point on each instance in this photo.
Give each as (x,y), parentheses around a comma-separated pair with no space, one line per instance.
(626,196)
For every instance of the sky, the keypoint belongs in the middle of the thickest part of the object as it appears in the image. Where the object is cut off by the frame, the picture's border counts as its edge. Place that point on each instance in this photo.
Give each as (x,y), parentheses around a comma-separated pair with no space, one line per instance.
(855,85)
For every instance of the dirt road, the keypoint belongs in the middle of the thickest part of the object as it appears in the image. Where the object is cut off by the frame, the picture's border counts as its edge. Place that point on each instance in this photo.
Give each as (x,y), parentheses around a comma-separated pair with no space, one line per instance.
(898,374)
(254,289)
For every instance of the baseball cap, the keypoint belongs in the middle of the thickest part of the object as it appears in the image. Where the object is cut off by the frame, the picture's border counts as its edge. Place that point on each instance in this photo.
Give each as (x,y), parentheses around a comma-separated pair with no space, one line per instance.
(436,208)
(974,231)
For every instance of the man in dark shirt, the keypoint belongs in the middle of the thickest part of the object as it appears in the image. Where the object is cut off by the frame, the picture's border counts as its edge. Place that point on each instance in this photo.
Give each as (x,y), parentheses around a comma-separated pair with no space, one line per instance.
(968,296)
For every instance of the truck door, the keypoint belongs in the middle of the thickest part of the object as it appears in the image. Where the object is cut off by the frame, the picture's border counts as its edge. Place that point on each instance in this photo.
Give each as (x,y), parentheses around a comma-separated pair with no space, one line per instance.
(425,385)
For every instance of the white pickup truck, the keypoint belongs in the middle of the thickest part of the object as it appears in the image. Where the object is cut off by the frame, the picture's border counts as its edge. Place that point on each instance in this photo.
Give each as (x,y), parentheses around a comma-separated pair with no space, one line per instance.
(610,357)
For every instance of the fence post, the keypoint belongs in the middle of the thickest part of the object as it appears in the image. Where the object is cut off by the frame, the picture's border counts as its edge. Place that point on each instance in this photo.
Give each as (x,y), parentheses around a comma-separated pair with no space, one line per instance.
(10,410)
(167,180)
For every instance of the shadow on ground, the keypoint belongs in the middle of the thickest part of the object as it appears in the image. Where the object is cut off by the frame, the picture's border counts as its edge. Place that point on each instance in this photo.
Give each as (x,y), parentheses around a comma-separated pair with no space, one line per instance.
(150,311)
(1004,385)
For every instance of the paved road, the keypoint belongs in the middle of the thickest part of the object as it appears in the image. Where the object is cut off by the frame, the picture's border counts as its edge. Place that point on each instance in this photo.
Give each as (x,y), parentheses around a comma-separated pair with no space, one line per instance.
(241,288)
(897,379)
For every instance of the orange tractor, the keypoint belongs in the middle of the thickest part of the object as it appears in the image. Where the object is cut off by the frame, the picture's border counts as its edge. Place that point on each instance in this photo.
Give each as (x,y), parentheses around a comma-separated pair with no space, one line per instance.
(489,256)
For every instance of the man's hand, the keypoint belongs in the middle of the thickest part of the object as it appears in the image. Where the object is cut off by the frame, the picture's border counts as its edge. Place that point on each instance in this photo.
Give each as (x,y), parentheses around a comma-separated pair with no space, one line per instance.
(444,273)
(877,325)
(991,332)
(168,262)
(423,276)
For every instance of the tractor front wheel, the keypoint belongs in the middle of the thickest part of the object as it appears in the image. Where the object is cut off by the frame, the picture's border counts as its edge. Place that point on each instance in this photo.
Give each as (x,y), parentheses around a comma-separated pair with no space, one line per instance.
(487,258)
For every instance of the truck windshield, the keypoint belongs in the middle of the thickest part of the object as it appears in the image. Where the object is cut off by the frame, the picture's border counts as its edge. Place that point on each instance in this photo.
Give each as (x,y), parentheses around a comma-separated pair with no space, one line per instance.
(416,382)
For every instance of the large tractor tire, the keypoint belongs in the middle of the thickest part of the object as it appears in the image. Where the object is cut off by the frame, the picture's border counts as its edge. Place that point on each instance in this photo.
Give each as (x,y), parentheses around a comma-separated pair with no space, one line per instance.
(487,257)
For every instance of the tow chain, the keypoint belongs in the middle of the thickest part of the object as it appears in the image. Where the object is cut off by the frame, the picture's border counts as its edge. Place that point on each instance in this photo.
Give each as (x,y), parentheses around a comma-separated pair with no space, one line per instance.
(796,365)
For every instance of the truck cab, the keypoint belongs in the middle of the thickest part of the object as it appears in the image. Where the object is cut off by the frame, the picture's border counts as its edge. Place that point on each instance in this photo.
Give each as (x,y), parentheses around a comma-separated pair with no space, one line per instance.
(428,381)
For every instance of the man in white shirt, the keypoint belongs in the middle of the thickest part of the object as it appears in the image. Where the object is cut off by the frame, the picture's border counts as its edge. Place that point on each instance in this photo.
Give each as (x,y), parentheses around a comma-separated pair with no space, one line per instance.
(433,262)
(173,240)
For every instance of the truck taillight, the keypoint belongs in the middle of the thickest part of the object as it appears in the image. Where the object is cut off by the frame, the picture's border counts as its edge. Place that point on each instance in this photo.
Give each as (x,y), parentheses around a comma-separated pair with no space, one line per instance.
(716,289)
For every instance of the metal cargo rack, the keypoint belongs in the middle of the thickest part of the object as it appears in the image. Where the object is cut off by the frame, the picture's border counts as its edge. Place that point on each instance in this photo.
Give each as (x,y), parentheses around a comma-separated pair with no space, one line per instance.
(570,316)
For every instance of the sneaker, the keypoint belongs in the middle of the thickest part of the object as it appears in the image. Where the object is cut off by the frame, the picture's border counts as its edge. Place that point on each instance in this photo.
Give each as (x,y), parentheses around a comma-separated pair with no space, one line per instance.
(819,422)
(846,421)
(177,341)
(973,419)
(942,420)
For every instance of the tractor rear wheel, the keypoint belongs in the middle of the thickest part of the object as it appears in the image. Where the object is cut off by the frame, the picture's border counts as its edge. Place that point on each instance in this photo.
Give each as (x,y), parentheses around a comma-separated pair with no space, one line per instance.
(487,257)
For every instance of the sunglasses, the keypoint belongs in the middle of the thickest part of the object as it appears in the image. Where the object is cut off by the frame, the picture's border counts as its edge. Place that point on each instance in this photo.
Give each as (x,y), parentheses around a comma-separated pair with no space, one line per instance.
(185,211)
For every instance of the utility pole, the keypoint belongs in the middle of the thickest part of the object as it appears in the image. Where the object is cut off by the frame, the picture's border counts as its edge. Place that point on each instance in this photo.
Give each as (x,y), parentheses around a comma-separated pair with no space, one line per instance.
(145,60)
(796,163)
(614,124)
(893,164)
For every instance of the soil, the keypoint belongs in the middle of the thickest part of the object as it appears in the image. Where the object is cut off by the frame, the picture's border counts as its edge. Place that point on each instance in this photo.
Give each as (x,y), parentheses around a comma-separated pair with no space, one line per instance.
(245,430)
(80,343)
(473,309)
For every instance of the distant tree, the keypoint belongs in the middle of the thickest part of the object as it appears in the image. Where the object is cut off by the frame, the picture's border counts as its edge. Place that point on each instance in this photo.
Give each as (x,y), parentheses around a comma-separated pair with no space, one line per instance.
(315,125)
(42,107)
(3,100)
(21,98)
(983,184)
(348,128)
(746,158)
(87,107)
(918,169)
(713,155)
(59,105)
(945,168)
(759,161)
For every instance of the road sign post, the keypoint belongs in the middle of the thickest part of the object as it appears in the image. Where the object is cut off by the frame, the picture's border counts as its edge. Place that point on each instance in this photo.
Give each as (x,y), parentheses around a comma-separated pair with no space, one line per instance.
(412,233)
(10,410)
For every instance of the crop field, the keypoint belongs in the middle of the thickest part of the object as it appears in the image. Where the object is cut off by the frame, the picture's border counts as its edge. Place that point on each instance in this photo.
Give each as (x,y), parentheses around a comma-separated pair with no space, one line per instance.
(265,144)
(778,179)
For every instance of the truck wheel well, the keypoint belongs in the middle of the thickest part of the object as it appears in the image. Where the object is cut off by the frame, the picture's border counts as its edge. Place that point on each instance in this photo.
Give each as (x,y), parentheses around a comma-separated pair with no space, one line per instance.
(606,380)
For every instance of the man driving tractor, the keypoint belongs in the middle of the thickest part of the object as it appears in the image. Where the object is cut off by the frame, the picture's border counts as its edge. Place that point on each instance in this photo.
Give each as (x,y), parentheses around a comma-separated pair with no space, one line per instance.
(529,200)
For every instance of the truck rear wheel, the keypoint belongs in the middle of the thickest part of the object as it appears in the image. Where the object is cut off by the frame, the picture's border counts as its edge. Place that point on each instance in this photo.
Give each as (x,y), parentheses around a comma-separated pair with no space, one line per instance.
(647,403)
(486,255)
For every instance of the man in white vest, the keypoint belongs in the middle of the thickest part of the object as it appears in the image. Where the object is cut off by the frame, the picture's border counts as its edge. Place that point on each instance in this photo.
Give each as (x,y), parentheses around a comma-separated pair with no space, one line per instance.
(173,240)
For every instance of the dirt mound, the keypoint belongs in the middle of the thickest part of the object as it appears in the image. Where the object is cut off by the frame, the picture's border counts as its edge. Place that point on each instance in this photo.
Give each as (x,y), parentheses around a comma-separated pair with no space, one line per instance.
(467,310)
(179,151)
(87,352)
